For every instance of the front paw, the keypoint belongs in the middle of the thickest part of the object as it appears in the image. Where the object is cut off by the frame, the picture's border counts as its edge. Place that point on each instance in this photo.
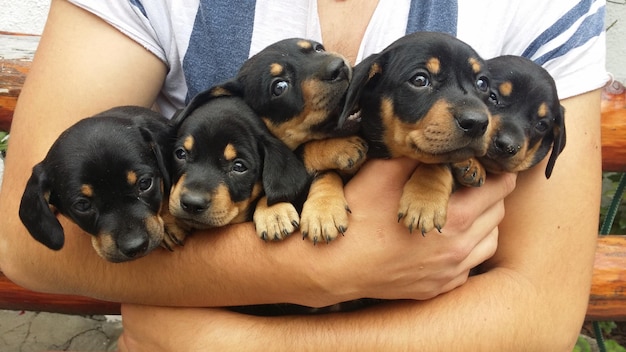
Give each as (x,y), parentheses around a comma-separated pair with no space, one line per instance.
(345,154)
(175,234)
(275,222)
(324,217)
(423,214)
(424,201)
(350,153)
(469,173)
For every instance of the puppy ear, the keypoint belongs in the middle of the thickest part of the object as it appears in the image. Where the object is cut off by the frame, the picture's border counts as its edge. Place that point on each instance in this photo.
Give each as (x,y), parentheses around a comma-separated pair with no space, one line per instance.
(284,176)
(229,88)
(36,212)
(232,87)
(362,73)
(558,133)
(159,148)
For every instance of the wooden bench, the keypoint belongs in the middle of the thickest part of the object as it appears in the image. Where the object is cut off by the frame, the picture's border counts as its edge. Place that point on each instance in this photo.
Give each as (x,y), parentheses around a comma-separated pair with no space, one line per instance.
(608,293)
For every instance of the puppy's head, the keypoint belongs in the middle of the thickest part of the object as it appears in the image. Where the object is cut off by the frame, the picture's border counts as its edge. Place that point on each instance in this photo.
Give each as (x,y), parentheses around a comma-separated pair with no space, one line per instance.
(108,175)
(224,159)
(528,118)
(296,87)
(424,97)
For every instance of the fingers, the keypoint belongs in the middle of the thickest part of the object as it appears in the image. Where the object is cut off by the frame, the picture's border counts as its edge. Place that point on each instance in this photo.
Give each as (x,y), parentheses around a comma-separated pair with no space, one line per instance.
(389,175)
(467,204)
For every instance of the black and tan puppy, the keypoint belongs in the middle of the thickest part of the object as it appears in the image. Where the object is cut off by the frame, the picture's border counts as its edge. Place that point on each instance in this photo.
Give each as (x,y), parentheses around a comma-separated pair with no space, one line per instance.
(297,88)
(108,174)
(528,119)
(224,160)
(424,97)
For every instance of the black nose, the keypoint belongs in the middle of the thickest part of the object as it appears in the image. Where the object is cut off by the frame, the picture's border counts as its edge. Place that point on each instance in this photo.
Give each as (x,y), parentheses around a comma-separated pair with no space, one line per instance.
(133,245)
(336,70)
(473,123)
(193,203)
(506,146)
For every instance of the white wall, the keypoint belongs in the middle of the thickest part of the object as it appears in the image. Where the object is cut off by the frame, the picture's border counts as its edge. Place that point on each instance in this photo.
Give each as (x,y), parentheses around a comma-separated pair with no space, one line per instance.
(28,16)
(23,16)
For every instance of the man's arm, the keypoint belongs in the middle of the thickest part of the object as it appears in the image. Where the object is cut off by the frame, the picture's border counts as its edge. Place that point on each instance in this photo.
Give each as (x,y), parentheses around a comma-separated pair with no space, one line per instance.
(533,295)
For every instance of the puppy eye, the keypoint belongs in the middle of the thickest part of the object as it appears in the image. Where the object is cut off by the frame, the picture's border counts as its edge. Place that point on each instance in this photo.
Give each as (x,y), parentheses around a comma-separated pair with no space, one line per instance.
(542,126)
(420,80)
(180,153)
(279,87)
(145,184)
(319,48)
(82,205)
(482,83)
(238,166)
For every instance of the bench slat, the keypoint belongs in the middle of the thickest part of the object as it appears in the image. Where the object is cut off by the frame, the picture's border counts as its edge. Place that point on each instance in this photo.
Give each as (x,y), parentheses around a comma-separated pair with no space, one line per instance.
(14,297)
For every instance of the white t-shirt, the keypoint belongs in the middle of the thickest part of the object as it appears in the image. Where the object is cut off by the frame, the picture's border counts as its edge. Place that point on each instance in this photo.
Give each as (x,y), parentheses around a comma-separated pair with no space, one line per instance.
(203,42)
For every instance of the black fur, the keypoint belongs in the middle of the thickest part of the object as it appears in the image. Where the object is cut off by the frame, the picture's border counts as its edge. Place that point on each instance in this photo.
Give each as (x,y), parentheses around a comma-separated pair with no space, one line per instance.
(85,176)
(519,126)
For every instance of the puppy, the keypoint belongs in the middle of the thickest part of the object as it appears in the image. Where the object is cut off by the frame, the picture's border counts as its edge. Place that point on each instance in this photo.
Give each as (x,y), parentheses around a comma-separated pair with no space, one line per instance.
(528,118)
(424,97)
(224,160)
(108,174)
(297,88)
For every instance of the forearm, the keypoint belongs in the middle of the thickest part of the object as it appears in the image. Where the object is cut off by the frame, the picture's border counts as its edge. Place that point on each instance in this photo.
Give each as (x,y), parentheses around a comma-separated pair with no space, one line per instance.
(491,312)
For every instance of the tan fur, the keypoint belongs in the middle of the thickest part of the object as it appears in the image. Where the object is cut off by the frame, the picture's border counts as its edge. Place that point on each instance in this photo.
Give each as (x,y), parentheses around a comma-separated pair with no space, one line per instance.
(131,177)
(425,196)
(543,110)
(343,154)
(433,65)
(475,64)
(230,153)
(276,69)
(325,212)
(304,44)
(506,88)
(188,143)
(86,190)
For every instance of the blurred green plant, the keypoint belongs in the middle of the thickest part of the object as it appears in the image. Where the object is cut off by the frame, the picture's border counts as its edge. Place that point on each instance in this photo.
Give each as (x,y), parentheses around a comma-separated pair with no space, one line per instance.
(4,140)
(610,181)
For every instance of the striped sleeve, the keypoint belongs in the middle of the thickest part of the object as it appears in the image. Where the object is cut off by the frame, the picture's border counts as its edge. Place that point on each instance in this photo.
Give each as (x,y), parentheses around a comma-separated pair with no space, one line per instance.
(566,37)
(573,49)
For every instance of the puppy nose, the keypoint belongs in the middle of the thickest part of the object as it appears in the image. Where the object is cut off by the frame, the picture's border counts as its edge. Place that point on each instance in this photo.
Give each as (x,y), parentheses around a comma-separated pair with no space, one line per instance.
(193,203)
(506,146)
(133,246)
(336,70)
(473,123)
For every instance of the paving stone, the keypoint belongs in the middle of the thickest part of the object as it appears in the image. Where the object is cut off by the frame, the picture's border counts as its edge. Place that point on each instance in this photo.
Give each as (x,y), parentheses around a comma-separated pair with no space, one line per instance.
(36,332)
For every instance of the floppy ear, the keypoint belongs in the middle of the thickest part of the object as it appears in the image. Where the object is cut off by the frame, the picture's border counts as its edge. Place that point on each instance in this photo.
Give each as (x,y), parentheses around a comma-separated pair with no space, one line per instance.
(228,88)
(558,140)
(361,74)
(36,213)
(284,176)
(158,147)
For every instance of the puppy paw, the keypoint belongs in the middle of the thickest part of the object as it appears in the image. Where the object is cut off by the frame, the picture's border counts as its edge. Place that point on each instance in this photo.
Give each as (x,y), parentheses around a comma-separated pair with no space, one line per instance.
(175,234)
(350,153)
(275,222)
(422,213)
(324,217)
(343,154)
(469,173)
(424,201)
